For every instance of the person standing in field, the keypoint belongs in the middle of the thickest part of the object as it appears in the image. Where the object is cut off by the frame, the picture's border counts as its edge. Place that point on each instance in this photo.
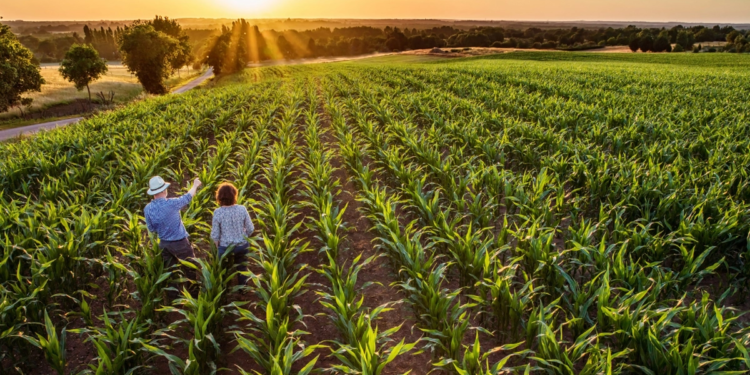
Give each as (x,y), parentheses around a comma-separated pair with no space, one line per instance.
(163,218)
(231,227)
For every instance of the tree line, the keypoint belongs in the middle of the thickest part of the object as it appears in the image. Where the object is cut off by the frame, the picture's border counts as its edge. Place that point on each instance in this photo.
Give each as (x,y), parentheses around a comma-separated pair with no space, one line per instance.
(104,41)
(155,49)
(221,51)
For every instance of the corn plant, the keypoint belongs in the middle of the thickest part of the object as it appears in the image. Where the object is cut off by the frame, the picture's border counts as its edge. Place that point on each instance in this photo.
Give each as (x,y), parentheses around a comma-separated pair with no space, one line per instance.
(475,360)
(52,345)
(203,314)
(119,344)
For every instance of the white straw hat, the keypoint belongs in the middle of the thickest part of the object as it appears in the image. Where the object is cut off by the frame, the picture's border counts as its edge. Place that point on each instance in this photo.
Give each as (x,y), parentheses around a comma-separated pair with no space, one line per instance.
(156,185)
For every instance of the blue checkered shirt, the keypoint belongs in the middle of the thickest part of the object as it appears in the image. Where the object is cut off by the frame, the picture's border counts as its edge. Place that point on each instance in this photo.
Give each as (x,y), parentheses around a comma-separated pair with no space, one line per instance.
(163,217)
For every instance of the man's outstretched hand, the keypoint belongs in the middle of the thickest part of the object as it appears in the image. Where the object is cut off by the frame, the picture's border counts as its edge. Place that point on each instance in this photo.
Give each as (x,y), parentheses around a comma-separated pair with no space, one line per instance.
(196,184)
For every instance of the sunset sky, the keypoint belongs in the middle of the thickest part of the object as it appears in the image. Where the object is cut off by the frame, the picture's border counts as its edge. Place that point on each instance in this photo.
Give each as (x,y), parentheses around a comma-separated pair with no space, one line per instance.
(722,11)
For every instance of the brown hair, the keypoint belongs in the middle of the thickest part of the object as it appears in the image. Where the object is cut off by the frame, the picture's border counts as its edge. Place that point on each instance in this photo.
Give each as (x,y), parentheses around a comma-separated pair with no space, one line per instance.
(226,194)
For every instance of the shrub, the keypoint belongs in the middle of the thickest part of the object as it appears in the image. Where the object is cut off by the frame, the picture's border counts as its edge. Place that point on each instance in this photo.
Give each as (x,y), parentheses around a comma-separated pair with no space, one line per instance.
(678,48)
(536,45)
(549,45)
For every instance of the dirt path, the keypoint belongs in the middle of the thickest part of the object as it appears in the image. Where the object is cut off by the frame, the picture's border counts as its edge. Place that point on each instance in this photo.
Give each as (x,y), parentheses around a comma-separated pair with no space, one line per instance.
(30,129)
(192,84)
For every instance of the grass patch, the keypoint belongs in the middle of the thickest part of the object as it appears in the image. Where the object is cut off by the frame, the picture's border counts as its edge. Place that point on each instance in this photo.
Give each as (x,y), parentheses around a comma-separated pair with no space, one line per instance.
(57,91)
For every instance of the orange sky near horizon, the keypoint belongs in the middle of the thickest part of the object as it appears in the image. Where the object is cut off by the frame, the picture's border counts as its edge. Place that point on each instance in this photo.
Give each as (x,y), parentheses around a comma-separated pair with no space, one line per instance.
(714,11)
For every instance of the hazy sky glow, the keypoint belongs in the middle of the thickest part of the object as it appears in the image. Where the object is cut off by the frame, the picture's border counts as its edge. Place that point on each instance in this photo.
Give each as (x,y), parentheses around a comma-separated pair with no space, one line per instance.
(720,11)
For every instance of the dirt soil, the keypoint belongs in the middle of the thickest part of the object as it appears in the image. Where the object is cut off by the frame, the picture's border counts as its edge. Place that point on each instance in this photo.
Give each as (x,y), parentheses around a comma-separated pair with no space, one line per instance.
(360,240)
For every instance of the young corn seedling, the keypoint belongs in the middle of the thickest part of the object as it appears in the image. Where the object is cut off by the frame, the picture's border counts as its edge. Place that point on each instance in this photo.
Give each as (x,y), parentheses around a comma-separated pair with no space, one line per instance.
(52,345)
(119,345)
(475,361)
(203,314)
(150,279)
(370,353)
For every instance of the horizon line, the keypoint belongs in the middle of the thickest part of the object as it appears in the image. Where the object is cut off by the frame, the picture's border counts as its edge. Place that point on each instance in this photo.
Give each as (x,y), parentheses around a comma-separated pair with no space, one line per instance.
(387,19)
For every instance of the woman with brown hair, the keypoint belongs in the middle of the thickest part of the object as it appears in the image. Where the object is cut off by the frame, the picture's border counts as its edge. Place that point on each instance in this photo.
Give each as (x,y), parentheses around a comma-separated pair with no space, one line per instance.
(231,227)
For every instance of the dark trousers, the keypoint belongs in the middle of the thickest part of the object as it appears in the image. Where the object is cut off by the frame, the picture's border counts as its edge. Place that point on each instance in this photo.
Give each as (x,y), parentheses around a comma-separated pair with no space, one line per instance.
(171,251)
(239,253)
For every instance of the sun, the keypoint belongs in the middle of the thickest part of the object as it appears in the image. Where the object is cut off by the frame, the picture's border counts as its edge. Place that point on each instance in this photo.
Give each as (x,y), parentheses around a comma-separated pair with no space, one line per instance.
(247,5)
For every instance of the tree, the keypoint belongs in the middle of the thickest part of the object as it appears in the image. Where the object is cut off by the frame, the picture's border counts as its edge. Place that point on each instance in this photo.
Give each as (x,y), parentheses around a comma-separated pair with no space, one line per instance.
(635,44)
(235,47)
(685,39)
(47,47)
(19,71)
(416,42)
(469,40)
(312,48)
(286,48)
(661,44)
(646,43)
(63,44)
(181,56)
(29,41)
(216,54)
(734,34)
(705,35)
(147,53)
(396,41)
(82,65)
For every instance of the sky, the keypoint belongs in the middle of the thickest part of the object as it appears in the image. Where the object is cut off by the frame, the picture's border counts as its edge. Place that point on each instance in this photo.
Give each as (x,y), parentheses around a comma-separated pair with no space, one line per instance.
(710,11)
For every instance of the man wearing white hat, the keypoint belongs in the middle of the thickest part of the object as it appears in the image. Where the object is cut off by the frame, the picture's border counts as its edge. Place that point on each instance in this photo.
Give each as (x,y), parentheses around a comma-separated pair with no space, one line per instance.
(163,218)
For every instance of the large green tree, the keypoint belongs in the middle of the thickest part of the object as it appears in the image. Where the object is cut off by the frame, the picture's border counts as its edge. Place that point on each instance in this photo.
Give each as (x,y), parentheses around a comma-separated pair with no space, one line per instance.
(19,72)
(183,53)
(82,65)
(148,54)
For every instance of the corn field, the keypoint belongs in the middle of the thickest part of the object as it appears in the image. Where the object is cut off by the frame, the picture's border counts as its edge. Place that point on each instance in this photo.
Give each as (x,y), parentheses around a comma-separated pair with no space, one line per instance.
(531,213)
